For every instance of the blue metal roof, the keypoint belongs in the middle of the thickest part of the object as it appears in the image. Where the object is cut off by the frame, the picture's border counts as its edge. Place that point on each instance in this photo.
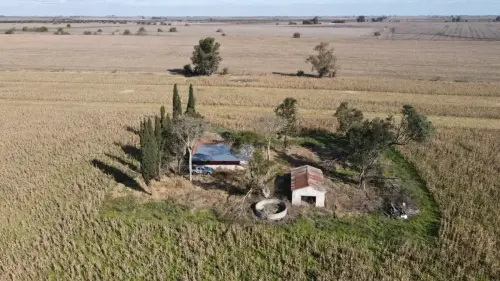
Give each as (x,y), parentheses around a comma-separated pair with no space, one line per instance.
(215,152)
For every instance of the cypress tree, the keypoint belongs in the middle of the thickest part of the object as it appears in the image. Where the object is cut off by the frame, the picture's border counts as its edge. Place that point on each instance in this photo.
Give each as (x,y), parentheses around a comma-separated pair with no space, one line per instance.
(176,104)
(162,116)
(190,110)
(149,154)
(167,135)
(159,142)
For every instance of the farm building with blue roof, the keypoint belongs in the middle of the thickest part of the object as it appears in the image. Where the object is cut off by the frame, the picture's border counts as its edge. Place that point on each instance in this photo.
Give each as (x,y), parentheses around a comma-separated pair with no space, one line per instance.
(217,155)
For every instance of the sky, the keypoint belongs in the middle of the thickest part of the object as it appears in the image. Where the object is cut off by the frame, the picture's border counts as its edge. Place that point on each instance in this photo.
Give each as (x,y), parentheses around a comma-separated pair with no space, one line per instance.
(247,7)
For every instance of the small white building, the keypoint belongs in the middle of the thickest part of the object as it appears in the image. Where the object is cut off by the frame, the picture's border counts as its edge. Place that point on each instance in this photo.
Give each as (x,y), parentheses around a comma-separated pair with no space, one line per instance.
(308,186)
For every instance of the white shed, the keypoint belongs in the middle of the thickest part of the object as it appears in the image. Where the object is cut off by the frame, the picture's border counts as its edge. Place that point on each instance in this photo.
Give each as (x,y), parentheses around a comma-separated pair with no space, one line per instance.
(308,186)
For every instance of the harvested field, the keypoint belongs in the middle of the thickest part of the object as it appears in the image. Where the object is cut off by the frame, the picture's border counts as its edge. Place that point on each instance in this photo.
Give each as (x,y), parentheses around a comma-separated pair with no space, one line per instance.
(256,49)
(449,31)
(65,147)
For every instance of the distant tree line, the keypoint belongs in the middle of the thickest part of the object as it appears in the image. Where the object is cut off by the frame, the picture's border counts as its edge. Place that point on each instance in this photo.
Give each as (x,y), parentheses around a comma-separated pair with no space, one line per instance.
(315,20)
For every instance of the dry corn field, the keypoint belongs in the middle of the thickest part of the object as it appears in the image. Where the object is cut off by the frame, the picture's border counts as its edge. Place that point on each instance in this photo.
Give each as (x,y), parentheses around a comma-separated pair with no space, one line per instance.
(55,124)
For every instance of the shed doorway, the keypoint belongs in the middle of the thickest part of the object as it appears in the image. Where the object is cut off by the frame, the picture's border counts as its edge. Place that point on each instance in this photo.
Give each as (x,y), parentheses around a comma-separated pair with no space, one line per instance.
(311,200)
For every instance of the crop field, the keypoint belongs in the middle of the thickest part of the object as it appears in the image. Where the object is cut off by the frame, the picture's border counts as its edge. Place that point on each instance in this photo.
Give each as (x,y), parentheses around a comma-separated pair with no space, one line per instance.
(259,49)
(68,102)
(54,124)
(449,31)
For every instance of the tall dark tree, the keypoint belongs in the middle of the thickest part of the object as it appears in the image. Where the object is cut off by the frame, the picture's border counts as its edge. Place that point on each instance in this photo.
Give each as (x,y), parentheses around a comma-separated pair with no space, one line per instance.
(206,56)
(149,154)
(191,110)
(361,19)
(176,104)
(159,142)
(288,111)
(162,116)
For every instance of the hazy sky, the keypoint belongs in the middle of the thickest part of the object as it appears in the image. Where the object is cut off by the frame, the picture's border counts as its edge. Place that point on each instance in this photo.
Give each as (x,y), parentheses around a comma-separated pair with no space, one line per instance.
(248,7)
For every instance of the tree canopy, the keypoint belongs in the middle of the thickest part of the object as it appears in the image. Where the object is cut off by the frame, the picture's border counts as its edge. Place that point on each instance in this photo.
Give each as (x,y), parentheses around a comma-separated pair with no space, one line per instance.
(325,62)
(369,139)
(206,56)
(288,112)
(347,117)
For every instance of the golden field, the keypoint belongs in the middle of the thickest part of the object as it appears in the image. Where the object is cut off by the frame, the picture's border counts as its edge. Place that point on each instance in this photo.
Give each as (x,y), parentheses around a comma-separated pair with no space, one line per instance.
(66,101)
(263,48)
(55,123)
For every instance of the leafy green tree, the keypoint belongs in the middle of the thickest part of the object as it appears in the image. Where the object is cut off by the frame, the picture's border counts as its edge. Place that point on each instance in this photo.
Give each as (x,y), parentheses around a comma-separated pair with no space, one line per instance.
(413,127)
(325,62)
(206,56)
(149,154)
(176,104)
(368,141)
(191,110)
(347,117)
(288,111)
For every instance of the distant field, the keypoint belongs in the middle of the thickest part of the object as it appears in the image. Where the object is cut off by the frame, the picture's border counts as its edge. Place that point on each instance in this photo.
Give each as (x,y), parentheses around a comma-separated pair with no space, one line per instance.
(262,49)
(449,31)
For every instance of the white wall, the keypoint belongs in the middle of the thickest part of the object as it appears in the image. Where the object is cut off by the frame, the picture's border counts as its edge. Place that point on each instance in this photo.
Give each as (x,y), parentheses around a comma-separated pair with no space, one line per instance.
(226,167)
(308,191)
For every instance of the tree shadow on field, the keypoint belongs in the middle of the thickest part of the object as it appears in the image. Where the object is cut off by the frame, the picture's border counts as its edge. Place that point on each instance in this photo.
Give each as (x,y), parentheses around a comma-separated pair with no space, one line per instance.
(130,150)
(178,71)
(118,175)
(133,130)
(131,166)
(295,74)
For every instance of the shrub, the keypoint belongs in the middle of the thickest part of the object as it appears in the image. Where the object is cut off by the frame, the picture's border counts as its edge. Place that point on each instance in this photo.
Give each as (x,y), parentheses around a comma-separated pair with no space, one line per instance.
(300,73)
(60,30)
(41,29)
(361,19)
(10,31)
(25,28)
(99,30)
(68,25)
(225,71)
(160,30)
(223,34)
(86,32)
(187,24)
(206,56)
(188,70)
(127,32)
(338,21)
(142,31)
(377,33)
(219,30)
(296,35)
(173,29)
